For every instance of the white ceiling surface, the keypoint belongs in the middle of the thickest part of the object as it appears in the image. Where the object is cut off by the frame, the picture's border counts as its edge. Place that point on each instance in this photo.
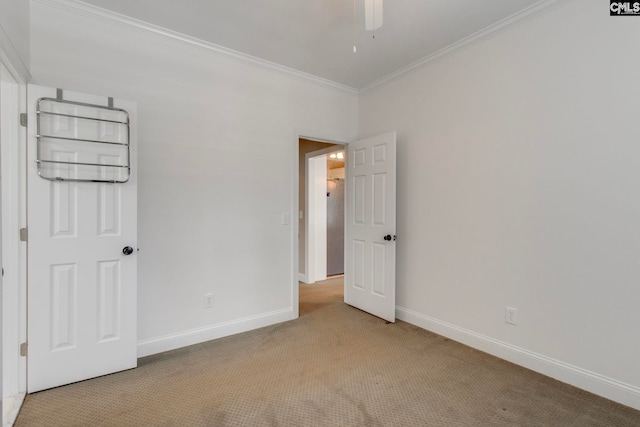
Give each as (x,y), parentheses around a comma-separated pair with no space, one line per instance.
(317,36)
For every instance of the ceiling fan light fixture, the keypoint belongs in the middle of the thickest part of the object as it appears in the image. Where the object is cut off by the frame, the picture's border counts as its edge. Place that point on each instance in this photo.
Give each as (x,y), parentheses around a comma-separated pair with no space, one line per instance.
(373,14)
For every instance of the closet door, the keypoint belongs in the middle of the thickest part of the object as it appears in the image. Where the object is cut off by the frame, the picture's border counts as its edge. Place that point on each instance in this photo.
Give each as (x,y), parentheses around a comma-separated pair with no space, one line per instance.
(82,237)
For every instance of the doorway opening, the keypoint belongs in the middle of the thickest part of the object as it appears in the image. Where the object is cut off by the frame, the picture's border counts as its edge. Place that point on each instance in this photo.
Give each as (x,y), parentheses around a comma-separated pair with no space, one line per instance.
(320,212)
(321,294)
(335,213)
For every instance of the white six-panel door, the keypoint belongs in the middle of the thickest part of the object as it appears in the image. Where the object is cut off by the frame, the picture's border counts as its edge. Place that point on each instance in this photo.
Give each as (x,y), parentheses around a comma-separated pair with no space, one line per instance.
(370,211)
(81,286)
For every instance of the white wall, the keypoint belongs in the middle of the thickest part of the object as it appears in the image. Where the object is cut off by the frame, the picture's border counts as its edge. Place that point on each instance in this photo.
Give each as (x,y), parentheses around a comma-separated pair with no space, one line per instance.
(518,186)
(317,218)
(305,146)
(14,31)
(215,168)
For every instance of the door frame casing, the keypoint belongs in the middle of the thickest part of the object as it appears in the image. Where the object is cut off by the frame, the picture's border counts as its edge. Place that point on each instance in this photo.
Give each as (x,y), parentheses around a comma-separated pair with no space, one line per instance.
(313,135)
(14,251)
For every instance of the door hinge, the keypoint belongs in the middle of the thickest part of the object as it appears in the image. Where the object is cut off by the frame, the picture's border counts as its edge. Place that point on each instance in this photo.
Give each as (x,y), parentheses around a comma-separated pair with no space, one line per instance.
(24,235)
(23,119)
(24,349)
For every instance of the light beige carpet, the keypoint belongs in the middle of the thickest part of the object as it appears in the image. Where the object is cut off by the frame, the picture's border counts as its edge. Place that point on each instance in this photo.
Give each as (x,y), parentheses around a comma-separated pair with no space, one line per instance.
(334,366)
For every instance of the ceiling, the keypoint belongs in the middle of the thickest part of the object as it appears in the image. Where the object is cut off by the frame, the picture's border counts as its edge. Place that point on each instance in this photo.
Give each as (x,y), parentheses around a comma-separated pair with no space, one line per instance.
(317,36)
(334,163)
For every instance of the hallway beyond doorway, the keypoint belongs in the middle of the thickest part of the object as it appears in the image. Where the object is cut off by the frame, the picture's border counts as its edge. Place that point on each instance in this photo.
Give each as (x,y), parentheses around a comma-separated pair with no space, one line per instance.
(321,294)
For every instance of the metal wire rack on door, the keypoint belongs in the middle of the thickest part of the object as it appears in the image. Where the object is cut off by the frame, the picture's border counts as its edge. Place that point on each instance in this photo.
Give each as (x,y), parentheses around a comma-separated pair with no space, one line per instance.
(82,142)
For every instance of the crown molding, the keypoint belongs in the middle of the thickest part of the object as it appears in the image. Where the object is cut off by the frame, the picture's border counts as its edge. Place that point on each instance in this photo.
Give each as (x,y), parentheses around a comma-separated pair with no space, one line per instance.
(94,12)
(11,59)
(507,23)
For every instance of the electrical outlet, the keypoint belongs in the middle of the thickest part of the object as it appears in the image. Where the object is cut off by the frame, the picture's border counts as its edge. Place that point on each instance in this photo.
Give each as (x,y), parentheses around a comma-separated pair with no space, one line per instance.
(208,300)
(511,315)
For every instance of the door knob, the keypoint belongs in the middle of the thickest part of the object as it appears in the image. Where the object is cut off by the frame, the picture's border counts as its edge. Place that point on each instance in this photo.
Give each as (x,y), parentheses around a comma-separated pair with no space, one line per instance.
(389,238)
(127,250)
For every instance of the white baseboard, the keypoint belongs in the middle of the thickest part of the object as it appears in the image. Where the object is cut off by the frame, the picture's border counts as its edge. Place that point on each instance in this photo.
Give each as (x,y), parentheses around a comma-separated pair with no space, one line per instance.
(304,278)
(195,336)
(609,388)
(10,408)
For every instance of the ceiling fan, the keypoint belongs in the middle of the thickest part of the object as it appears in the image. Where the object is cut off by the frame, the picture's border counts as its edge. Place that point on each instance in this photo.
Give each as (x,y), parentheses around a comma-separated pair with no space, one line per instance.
(373,17)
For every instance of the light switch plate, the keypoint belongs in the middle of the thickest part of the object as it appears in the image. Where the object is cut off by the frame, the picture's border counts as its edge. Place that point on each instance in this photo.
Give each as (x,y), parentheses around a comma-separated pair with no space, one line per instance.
(286,218)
